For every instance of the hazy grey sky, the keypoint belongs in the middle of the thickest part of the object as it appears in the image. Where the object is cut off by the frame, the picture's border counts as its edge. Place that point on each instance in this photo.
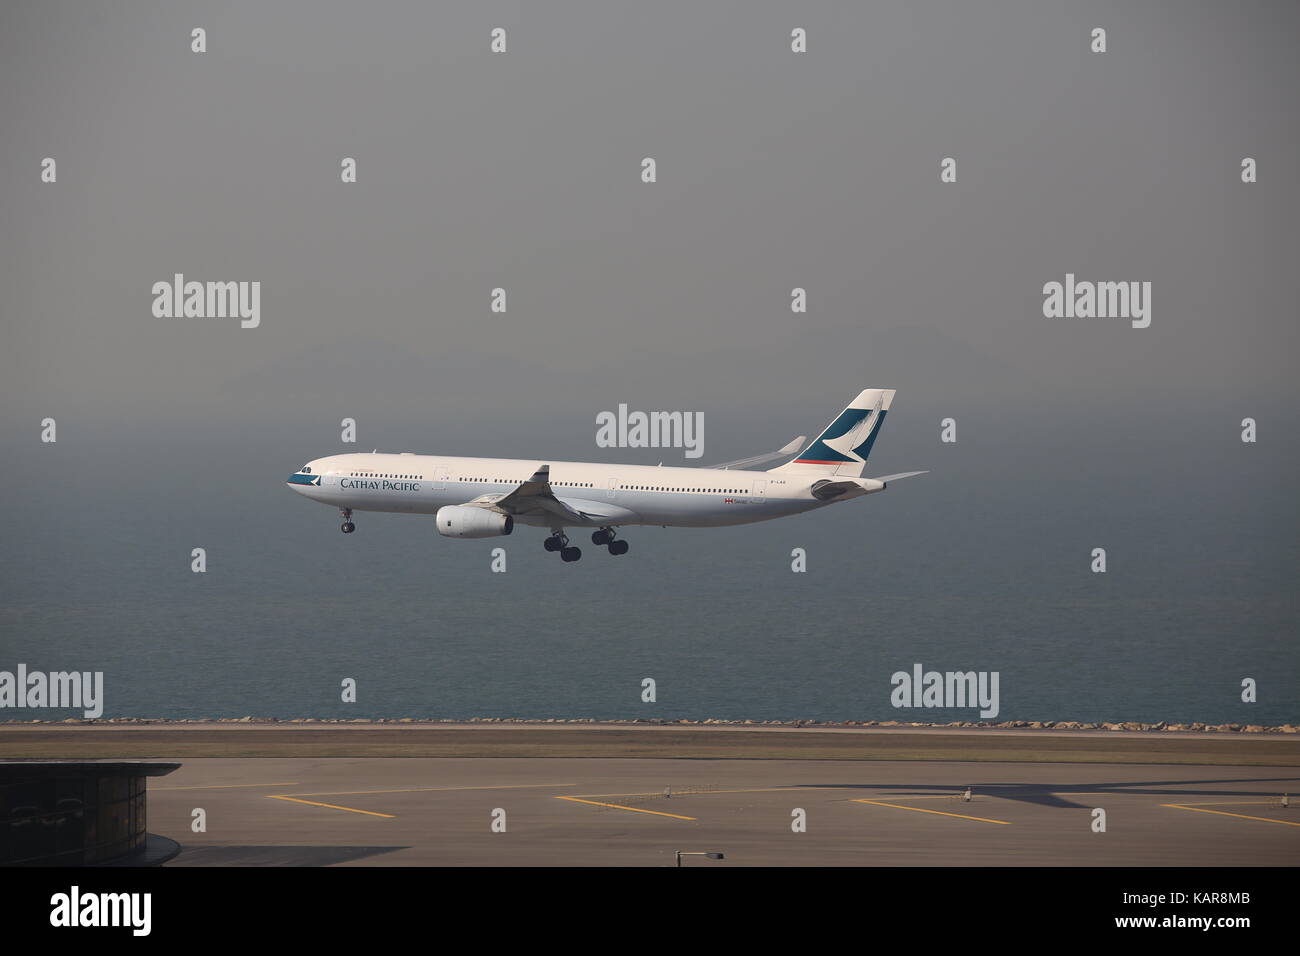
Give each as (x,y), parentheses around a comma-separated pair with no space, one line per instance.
(521,170)
(776,170)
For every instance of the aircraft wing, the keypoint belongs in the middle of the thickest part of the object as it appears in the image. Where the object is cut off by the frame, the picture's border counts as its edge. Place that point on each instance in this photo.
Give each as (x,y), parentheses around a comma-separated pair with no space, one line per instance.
(536,499)
(785,451)
(538,486)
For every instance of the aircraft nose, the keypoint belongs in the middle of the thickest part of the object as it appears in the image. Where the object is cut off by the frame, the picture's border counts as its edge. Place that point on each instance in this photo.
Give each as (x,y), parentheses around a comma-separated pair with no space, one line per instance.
(300,482)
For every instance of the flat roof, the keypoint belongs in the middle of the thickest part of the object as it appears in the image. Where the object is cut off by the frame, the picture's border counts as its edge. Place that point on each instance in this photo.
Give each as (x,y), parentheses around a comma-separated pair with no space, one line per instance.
(13,769)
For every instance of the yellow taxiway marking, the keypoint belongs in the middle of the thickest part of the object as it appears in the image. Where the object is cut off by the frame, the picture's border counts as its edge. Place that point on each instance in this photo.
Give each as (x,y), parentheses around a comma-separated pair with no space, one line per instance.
(932,796)
(596,803)
(1084,793)
(503,786)
(688,792)
(942,813)
(704,793)
(1276,802)
(229,786)
(1225,813)
(333,806)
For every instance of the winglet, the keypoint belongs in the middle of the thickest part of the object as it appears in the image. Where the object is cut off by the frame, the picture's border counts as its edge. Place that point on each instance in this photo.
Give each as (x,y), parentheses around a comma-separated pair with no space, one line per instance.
(785,451)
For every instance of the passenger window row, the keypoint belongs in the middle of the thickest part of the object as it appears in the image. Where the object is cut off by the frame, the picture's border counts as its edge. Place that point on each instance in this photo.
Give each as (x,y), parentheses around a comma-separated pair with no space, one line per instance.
(718,491)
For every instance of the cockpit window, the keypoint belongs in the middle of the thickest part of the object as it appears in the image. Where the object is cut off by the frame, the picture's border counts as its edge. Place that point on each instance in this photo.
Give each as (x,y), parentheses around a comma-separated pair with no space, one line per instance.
(306,469)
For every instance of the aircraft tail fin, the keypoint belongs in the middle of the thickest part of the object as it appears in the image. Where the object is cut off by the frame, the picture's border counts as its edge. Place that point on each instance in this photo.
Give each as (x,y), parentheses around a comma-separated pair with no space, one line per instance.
(845,444)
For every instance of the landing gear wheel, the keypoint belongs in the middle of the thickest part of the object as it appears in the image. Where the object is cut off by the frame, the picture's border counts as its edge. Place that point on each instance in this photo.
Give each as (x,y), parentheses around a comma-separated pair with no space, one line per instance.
(570,554)
(618,547)
(603,536)
(552,544)
(347,527)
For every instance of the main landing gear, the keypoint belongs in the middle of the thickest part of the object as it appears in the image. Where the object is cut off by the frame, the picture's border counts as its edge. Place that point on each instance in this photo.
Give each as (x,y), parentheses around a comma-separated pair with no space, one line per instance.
(347,527)
(606,536)
(559,541)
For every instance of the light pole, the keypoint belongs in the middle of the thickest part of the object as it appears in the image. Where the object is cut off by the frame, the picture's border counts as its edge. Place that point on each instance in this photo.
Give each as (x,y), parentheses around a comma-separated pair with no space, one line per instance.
(710,856)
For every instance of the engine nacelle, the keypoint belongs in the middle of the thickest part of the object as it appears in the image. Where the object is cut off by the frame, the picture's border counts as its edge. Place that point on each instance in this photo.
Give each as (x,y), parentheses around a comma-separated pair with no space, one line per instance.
(460,521)
(829,489)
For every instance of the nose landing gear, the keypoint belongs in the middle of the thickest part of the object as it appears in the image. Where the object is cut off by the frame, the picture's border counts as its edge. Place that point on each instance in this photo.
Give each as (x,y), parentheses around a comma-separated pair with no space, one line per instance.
(347,527)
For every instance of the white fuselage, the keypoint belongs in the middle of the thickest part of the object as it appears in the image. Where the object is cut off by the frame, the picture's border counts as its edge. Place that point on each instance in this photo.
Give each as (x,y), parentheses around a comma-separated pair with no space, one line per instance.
(623,494)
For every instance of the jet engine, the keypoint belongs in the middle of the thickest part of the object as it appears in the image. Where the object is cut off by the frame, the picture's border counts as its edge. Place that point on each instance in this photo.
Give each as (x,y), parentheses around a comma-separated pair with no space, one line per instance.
(460,521)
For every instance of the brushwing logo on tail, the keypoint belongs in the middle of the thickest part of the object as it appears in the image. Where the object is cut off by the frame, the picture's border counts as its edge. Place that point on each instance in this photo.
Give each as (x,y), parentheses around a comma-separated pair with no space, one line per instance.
(843,439)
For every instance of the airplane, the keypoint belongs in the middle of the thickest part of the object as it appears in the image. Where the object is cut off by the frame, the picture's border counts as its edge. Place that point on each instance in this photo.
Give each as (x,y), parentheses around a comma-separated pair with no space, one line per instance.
(487,497)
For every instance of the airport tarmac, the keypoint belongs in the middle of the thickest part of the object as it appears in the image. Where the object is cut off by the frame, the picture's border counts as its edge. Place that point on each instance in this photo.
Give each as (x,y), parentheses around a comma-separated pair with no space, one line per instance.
(559,811)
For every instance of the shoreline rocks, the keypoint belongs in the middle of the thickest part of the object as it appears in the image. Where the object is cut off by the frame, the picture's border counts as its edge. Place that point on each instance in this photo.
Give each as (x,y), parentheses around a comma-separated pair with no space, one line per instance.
(1194,727)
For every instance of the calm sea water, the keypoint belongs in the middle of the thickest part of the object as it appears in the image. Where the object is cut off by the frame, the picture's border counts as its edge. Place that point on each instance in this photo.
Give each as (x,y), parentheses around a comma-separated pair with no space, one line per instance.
(977,566)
